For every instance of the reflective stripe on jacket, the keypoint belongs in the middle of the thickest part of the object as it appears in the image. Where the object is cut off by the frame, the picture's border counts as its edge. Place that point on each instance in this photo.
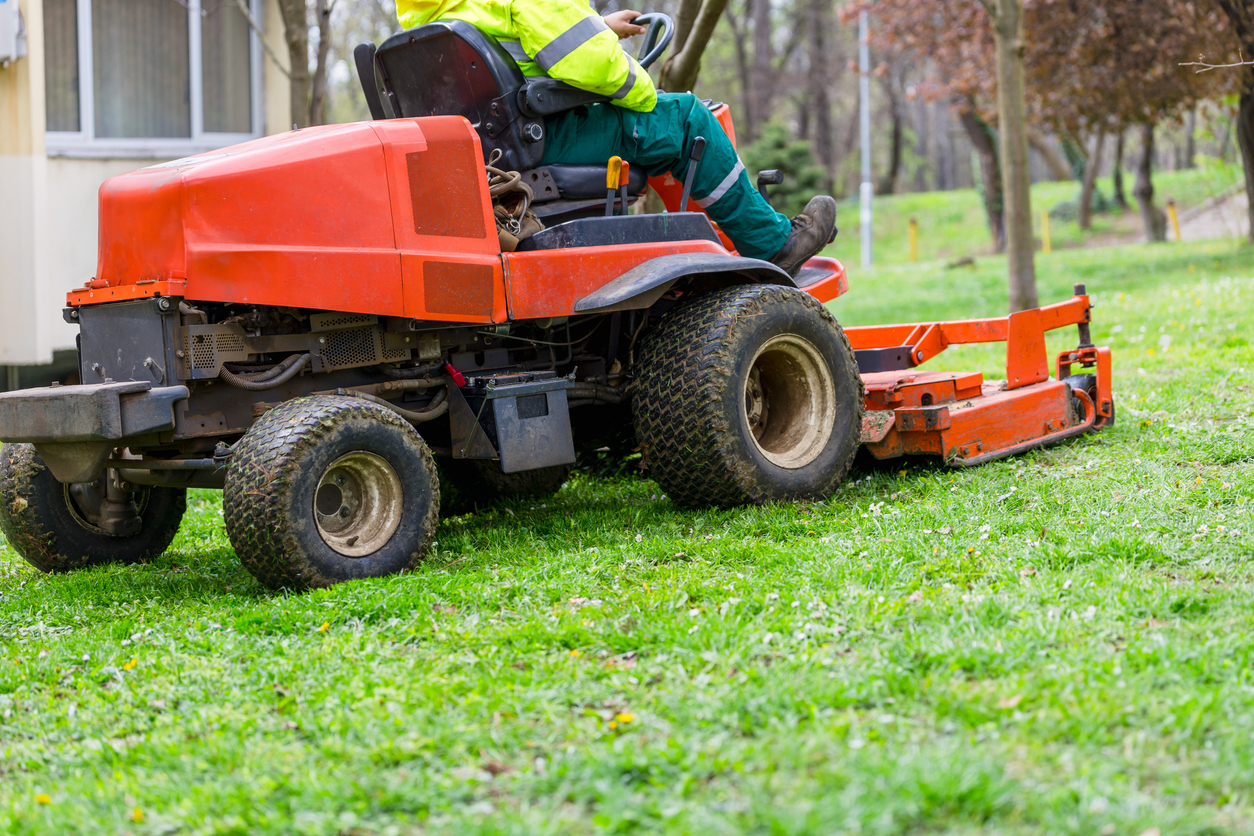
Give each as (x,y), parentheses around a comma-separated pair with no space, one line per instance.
(562,39)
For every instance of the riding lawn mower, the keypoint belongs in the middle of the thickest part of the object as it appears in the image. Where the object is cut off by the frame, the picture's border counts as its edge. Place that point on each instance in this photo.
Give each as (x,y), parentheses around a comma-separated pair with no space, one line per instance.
(325,325)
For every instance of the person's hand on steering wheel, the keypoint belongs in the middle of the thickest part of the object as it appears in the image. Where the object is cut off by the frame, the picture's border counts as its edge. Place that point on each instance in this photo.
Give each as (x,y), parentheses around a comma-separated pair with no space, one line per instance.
(620,24)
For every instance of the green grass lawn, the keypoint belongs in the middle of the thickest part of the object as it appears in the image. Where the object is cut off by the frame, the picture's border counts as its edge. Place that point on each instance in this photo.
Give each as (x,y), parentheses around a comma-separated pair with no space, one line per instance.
(1055,643)
(952,225)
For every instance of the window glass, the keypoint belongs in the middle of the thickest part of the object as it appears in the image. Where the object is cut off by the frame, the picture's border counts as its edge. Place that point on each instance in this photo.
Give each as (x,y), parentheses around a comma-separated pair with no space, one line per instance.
(227,67)
(140,74)
(61,64)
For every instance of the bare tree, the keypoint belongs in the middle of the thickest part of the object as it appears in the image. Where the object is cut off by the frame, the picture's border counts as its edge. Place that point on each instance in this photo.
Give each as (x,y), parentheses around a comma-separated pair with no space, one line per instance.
(1058,167)
(680,71)
(1091,168)
(1120,198)
(1152,217)
(1240,14)
(308,89)
(818,105)
(985,144)
(738,22)
(890,81)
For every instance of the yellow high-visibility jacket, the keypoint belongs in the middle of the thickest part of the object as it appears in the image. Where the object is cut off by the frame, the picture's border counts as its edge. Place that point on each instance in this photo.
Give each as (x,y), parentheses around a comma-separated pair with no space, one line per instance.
(563,39)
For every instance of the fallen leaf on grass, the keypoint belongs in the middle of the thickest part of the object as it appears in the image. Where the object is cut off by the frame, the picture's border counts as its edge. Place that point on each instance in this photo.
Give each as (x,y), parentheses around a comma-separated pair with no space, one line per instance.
(915,597)
(1010,702)
(1027,571)
(494,767)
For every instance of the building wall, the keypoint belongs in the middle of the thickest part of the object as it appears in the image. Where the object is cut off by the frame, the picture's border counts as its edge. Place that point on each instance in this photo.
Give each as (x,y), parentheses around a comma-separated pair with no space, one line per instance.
(48,205)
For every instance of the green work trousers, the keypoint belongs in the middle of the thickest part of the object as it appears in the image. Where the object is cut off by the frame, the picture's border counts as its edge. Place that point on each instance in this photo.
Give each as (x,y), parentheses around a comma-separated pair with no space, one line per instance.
(660,141)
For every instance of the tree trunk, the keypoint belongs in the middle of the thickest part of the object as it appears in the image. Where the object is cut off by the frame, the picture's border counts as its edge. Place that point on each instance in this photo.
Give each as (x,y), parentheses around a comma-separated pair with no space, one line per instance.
(819,107)
(1058,166)
(1120,197)
(762,65)
(1090,180)
(318,84)
(746,119)
(1013,123)
(296,33)
(1152,218)
(1245,138)
(684,20)
(680,71)
(1190,139)
(985,144)
(888,183)
(945,175)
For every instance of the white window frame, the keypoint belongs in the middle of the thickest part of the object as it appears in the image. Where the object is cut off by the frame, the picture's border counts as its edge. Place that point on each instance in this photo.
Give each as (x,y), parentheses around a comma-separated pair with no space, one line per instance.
(84,143)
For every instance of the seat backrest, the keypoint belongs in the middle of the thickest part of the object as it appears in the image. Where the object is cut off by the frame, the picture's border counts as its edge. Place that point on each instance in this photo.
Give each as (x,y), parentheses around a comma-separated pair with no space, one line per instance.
(450,68)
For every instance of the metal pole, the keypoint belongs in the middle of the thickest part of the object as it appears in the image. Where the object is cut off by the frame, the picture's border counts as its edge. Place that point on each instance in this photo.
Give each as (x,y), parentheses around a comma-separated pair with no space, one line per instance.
(868,190)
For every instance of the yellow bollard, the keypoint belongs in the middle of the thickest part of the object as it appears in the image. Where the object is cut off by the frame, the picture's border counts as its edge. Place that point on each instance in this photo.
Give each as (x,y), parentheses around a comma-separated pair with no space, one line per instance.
(1046,243)
(1175,219)
(914,240)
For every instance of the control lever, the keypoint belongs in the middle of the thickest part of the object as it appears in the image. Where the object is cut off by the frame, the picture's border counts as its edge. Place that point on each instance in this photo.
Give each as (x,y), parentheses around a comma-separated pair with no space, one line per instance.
(612,171)
(770,177)
(622,182)
(694,161)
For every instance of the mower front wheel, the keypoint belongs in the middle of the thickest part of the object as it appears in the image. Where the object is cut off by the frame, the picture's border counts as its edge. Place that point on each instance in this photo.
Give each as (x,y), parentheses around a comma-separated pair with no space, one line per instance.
(328,489)
(55,526)
(748,394)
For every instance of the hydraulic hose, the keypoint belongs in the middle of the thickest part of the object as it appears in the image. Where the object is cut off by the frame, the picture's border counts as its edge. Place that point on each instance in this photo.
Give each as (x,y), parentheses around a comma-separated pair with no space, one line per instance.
(437,407)
(267,374)
(262,382)
(416,371)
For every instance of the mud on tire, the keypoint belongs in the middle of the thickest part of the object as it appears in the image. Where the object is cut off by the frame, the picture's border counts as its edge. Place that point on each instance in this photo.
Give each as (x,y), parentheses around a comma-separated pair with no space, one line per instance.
(327,489)
(748,394)
(41,521)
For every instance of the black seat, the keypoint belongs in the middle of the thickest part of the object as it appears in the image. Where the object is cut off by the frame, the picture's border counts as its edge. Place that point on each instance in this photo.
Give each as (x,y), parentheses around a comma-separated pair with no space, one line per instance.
(451,68)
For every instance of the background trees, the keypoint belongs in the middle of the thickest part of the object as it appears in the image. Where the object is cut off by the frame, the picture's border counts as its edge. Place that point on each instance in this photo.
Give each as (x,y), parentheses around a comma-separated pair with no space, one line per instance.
(1240,15)
(1093,68)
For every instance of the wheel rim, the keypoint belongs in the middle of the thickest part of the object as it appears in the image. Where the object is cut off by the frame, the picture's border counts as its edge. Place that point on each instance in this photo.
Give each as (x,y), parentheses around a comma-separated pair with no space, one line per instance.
(358,504)
(83,499)
(790,401)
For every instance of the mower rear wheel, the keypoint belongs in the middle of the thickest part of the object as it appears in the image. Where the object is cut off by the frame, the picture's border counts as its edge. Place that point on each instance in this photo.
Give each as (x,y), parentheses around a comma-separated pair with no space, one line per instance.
(748,394)
(51,525)
(328,489)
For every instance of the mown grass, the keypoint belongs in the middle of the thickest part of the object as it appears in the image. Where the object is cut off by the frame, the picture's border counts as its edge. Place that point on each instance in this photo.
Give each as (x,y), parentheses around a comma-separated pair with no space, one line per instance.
(952,224)
(1056,643)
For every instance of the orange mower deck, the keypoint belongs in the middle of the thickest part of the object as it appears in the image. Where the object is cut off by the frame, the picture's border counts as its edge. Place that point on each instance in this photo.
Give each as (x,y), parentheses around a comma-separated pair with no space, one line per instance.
(962,417)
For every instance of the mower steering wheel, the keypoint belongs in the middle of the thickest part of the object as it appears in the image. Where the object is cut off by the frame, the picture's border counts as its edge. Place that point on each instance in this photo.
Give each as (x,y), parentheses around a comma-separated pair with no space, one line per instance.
(653,46)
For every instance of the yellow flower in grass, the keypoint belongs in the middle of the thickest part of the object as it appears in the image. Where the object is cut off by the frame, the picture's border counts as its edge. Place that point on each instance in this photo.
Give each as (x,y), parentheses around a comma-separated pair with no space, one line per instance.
(326,625)
(137,815)
(131,665)
(624,717)
(43,798)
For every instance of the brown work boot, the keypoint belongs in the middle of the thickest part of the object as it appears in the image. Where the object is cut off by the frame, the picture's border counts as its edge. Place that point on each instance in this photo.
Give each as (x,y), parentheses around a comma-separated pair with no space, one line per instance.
(812,230)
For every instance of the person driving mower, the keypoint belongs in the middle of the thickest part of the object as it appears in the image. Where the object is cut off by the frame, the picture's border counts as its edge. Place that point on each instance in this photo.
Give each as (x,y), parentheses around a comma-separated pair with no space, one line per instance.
(566,40)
